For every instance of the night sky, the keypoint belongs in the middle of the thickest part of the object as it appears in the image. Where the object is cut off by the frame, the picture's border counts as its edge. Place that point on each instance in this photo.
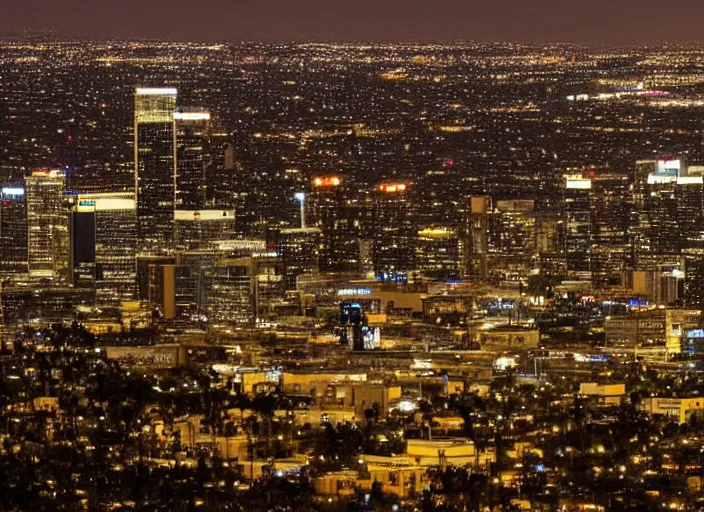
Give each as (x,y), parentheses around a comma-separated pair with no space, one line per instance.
(587,21)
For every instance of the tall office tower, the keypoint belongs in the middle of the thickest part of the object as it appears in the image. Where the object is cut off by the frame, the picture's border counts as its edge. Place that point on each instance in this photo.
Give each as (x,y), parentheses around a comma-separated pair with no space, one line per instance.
(241,290)
(657,232)
(199,229)
(155,167)
(192,134)
(639,180)
(47,223)
(476,245)
(550,241)
(443,205)
(188,272)
(577,219)
(104,245)
(392,235)
(147,266)
(299,249)
(437,253)
(611,207)
(82,235)
(232,187)
(512,237)
(689,194)
(13,231)
(338,225)
(693,278)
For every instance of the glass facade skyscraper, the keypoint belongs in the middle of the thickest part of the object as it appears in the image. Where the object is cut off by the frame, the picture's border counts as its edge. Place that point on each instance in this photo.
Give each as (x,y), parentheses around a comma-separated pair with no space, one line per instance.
(104,243)
(47,221)
(155,167)
(192,130)
(13,231)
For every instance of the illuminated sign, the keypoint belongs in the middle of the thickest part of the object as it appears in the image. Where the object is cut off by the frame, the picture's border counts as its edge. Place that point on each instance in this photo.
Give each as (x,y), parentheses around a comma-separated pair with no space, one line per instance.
(690,180)
(659,179)
(265,255)
(391,188)
(354,291)
(13,191)
(330,181)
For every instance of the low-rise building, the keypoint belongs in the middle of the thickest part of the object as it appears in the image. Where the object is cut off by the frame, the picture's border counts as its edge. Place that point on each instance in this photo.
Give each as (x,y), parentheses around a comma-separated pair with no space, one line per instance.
(444,452)
(680,409)
(606,394)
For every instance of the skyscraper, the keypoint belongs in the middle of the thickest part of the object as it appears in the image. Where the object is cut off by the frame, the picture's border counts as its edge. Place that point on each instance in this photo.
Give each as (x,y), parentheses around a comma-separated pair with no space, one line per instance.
(299,249)
(689,192)
(577,211)
(104,229)
(476,244)
(512,238)
(611,203)
(392,237)
(657,231)
(47,223)
(338,225)
(437,253)
(13,231)
(192,131)
(155,167)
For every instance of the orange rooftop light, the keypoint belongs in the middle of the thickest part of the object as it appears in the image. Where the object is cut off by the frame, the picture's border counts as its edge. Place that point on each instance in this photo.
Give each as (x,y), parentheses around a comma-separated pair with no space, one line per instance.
(391,188)
(327,181)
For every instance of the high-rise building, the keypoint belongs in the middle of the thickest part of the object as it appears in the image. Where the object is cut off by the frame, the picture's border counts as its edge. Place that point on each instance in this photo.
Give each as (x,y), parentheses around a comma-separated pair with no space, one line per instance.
(437,253)
(694,278)
(299,249)
(611,207)
(147,265)
(241,290)
(13,231)
(392,236)
(192,132)
(195,229)
(191,269)
(338,224)
(657,232)
(47,223)
(155,167)
(104,245)
(550,241)
(689,194)
(476,246)
(511,239)
(577,219)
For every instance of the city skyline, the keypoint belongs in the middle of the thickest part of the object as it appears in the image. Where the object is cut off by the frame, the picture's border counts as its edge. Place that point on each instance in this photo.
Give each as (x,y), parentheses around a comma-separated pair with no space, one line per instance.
(373,278)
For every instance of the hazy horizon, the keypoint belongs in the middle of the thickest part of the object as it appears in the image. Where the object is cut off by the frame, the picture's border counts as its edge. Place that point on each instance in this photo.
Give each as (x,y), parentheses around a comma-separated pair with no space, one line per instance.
(601,22)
